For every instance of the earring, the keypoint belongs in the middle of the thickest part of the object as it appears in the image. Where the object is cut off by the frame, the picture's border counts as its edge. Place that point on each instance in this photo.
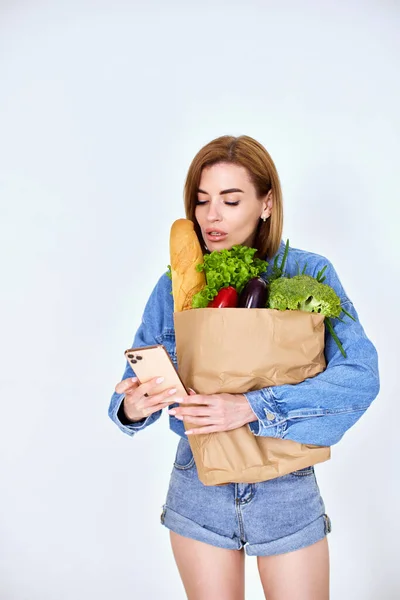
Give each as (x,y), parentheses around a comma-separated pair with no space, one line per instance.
(264,219)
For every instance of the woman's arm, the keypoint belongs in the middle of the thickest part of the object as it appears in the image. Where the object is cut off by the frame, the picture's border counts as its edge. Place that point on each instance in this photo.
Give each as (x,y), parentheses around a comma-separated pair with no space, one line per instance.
(149,329)
(321,409)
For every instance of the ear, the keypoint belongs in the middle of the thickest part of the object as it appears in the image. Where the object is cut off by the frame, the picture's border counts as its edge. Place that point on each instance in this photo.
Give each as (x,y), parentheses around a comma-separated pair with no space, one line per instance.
(267,205)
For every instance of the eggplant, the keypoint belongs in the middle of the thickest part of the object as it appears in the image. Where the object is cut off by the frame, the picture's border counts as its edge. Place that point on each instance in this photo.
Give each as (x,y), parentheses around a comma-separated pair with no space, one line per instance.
(254,294)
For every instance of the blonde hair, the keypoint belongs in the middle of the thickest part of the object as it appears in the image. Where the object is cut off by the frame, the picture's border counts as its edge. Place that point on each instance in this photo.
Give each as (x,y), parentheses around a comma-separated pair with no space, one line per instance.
(246,152)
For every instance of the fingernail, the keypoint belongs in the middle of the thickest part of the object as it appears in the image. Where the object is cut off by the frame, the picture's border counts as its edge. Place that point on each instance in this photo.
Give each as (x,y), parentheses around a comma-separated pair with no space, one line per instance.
(159,379)
(172,412)
(179,417)
(134,379)
(189,432)
(172,392)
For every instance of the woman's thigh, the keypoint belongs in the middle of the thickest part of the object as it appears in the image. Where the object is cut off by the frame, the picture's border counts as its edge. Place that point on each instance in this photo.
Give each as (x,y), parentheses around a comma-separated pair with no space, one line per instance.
(208,571)
(299,575)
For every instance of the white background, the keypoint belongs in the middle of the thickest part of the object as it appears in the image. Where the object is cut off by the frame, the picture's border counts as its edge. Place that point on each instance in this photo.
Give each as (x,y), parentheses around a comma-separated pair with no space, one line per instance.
(103,105)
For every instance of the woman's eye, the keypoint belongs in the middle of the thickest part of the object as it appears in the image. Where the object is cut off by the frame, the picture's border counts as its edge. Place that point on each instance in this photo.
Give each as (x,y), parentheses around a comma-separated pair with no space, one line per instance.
(201,202)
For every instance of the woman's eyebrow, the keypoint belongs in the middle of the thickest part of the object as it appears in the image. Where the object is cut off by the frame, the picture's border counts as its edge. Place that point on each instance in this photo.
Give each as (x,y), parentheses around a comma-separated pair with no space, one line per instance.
(199,191)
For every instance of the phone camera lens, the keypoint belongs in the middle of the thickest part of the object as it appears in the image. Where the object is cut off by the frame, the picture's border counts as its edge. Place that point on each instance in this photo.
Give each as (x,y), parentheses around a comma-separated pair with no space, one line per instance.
(133,361)
(138,357)
(130,355)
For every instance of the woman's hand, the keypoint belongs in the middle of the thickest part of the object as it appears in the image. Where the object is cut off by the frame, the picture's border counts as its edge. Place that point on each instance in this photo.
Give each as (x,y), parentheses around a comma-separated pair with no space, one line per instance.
(214,412)
(142,400)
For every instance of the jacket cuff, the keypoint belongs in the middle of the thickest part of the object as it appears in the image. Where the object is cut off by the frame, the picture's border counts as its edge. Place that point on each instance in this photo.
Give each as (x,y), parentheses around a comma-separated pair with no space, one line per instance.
(271,422)
(127,426)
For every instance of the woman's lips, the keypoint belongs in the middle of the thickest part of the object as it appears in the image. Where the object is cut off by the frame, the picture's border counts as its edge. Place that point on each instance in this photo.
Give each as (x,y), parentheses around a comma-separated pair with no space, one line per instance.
(216,238)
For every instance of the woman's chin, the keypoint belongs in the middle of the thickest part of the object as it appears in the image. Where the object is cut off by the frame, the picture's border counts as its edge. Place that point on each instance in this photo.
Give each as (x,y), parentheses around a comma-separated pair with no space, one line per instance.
(221,246)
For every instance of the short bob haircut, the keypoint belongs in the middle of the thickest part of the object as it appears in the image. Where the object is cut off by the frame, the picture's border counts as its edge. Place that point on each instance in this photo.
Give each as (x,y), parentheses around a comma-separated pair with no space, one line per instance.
(248,153)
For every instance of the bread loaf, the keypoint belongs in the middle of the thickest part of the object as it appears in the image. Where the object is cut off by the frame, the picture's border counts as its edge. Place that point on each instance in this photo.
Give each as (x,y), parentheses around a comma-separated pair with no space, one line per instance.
(186,253)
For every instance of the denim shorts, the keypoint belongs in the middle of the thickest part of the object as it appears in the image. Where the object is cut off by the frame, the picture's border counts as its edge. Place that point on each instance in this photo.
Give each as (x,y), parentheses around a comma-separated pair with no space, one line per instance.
(272,517)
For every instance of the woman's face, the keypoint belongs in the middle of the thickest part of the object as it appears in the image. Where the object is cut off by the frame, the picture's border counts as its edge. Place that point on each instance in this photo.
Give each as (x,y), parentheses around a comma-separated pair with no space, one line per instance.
(228,210)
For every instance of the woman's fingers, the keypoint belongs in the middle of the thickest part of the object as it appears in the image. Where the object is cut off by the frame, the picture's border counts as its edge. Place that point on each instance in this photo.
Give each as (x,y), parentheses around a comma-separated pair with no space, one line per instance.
(131,384)
(201,421)
(149,410)
(150,387)
(202,430)
(198,411)
(141,400)
(149,392)
(157,402)
(126,385)
(201,400)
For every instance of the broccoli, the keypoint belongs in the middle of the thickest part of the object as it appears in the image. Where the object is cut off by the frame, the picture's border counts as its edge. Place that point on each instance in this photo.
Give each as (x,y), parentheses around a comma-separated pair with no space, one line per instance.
(303,292)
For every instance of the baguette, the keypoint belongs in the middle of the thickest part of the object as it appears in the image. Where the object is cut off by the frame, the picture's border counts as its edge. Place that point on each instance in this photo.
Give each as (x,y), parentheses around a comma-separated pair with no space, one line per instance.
(185,254)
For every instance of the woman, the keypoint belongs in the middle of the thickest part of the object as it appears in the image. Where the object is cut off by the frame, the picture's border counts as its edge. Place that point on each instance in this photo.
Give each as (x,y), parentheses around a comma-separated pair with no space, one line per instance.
(233,196)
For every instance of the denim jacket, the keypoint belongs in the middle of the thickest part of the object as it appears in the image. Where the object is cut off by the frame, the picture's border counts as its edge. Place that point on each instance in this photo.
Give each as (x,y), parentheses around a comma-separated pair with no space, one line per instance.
(320,409)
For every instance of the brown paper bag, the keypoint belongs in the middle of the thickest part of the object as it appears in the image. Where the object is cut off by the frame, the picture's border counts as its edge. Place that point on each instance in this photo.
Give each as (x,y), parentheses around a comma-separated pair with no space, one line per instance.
(237,350)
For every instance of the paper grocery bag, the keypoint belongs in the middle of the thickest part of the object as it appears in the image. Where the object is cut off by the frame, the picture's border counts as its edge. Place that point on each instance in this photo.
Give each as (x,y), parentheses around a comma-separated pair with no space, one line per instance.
(237,350)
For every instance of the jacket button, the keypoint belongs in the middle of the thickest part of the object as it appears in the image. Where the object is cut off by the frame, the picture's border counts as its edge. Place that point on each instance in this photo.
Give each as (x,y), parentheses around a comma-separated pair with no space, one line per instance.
(270,416)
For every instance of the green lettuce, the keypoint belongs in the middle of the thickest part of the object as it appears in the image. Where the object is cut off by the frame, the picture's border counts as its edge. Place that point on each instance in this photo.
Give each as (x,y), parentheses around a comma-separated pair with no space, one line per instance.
(224,268)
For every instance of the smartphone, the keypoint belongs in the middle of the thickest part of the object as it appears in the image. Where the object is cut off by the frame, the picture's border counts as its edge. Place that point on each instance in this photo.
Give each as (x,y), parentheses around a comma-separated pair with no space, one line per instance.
(154,361)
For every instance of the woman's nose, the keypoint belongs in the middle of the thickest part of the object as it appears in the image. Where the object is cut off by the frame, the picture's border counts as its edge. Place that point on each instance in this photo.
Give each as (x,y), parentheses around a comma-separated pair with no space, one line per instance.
(213,213)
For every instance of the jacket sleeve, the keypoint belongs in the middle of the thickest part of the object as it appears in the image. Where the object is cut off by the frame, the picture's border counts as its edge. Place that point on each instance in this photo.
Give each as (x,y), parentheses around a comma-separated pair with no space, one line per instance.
(145,336)
(320,409)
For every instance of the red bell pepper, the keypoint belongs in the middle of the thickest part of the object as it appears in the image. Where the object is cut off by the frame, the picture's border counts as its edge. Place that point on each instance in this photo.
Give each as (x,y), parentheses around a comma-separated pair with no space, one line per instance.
(227,297)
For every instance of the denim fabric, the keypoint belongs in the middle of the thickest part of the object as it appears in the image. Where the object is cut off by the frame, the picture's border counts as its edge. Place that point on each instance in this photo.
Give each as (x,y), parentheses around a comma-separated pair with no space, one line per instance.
(318,410)
(271,517)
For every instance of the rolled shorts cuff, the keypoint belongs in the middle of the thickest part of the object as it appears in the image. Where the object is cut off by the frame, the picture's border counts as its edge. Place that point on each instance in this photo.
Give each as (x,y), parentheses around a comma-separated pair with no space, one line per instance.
(188,528)
(312,533)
